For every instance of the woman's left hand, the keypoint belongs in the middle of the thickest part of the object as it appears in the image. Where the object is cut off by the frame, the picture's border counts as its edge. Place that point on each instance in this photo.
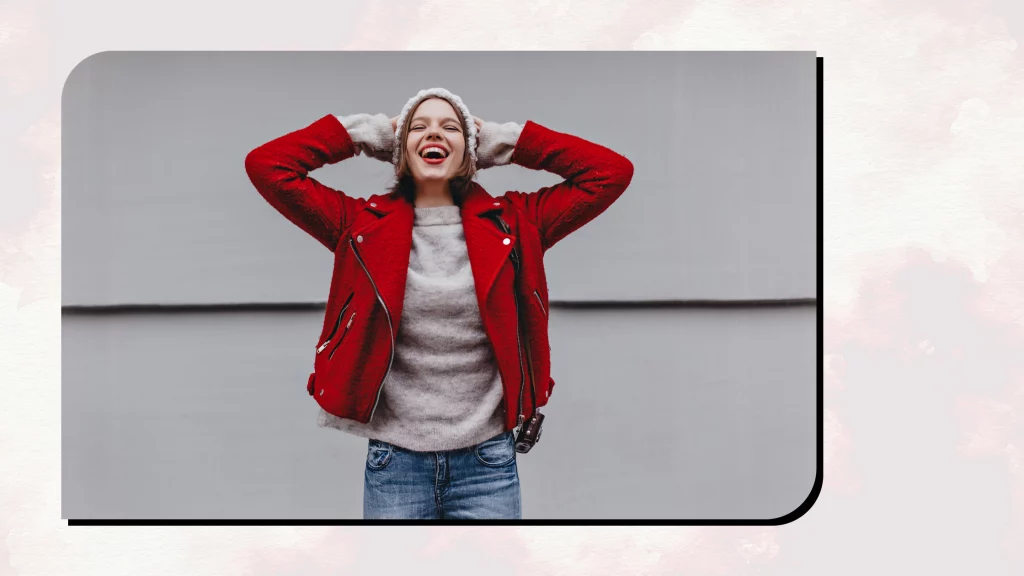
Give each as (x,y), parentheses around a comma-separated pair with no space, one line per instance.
(479,124)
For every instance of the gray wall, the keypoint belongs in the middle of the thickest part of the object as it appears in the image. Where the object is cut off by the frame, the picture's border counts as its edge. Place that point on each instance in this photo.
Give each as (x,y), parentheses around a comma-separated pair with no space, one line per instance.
(722,205)
(204,414)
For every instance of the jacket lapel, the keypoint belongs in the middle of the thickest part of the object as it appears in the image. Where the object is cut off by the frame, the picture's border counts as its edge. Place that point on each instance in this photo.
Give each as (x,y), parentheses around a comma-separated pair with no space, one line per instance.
(386,232)
(485,243)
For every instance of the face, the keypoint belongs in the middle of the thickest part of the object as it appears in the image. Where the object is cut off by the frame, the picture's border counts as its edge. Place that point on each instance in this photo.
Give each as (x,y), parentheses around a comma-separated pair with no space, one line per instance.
(435,144)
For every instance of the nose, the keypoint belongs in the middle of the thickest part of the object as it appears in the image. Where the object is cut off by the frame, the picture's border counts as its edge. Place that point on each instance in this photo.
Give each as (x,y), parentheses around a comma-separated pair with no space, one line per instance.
(434,132)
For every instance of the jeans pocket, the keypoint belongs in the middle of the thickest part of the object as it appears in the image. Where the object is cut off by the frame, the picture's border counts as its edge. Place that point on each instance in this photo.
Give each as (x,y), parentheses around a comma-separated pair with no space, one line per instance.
(378,454)
(497,451)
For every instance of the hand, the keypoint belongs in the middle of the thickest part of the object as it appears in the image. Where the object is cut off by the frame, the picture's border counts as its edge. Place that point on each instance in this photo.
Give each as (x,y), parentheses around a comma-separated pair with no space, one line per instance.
(479,124)
(394,124)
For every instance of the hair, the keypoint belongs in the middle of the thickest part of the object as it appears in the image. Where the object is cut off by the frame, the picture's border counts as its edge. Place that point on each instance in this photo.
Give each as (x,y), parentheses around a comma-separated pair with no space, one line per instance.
(458,184)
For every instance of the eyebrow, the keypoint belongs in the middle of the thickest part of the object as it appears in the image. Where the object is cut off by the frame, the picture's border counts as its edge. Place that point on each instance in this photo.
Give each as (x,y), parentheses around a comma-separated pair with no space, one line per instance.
(445,119)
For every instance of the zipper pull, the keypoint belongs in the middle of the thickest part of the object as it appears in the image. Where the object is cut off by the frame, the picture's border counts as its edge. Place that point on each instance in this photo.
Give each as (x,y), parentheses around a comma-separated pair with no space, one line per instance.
(322,346)
(351,318)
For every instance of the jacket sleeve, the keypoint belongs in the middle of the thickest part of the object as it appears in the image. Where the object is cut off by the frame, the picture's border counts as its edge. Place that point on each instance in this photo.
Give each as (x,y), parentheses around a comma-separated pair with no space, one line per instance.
(280,171)
(594,178)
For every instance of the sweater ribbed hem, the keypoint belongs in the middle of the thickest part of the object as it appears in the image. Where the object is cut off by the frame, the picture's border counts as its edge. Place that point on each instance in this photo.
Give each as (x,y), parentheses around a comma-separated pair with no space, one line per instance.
(439,442)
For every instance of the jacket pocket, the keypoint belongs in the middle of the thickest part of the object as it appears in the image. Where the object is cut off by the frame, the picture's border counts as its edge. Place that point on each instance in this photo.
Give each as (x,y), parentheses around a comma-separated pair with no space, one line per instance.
(536,294)
(337,324)
(341,338)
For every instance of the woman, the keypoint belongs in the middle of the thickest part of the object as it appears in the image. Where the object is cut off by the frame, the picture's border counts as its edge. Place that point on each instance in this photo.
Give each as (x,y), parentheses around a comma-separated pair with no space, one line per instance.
(435,341)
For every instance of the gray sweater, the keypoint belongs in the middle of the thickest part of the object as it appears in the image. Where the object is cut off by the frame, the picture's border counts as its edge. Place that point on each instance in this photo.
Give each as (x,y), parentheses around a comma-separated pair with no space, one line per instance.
(444,391)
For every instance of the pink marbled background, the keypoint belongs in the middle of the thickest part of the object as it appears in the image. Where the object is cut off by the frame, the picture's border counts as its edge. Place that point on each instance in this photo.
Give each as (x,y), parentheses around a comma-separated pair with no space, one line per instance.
(924,286)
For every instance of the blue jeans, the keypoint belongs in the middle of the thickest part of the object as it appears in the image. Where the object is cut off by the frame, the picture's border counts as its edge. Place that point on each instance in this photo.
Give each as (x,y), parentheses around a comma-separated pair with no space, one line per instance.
(480,481)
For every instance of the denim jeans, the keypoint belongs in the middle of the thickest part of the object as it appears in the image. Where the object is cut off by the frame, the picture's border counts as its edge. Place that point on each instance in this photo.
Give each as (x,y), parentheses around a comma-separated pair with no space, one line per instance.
(480,481)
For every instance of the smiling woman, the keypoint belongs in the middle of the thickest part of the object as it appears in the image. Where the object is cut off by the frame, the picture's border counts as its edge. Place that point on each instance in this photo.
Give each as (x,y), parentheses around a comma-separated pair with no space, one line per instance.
(436,158)
(435,345)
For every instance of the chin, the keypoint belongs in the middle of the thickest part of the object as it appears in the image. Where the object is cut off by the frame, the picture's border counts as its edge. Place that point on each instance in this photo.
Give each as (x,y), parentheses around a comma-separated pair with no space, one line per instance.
(428,178)
(433,176)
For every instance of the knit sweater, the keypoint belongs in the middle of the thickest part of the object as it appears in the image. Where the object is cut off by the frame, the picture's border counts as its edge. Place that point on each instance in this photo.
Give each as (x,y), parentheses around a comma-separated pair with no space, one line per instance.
(444,391)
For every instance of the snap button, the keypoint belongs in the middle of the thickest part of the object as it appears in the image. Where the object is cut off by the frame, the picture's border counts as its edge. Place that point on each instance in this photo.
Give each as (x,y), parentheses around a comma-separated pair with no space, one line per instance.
(373,204)
(321,391)
(359,238)
(497,203)
(506,241)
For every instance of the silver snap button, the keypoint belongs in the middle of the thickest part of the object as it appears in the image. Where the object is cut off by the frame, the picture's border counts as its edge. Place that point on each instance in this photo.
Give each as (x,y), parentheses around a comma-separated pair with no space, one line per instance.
(506,241)
(321,391)
(373,204)
(359,238)
(497,203)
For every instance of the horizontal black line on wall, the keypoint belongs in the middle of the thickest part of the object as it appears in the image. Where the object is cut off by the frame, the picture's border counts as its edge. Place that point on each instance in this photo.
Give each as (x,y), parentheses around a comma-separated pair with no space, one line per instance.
(302,306)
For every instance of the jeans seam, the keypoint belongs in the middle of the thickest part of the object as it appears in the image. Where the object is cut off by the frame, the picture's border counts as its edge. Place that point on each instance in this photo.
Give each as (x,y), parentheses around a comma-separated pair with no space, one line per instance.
(476,453)
(437,493)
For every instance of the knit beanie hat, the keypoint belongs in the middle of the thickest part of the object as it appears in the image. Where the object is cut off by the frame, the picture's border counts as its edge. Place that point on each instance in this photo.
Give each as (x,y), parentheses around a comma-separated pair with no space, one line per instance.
(455,101)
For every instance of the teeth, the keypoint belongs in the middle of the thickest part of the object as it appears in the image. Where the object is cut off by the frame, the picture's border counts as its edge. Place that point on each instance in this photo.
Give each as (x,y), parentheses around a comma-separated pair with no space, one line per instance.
(434,148)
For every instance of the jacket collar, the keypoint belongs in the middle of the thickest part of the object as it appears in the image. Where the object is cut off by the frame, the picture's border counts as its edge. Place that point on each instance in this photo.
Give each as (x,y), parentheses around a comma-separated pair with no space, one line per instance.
(478,202)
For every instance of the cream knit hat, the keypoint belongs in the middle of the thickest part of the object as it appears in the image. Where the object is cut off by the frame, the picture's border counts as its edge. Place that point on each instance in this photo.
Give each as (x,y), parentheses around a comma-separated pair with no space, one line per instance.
(455,101)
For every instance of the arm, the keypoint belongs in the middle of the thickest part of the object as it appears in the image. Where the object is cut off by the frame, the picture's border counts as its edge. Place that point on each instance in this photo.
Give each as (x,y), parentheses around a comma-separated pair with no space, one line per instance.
(594,178)
(280,171)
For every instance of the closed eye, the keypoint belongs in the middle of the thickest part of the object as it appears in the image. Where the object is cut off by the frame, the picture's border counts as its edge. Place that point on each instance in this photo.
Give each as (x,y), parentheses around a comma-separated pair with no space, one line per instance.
(449,128)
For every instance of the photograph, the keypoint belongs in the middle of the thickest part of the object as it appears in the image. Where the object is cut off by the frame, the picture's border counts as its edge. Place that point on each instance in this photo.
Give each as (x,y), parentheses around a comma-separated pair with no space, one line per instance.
(342,286)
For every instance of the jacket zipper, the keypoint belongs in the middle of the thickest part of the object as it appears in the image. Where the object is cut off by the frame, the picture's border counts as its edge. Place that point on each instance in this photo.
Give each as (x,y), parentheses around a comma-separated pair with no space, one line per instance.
(380,386)
(541,302)
(342,339)
(519,345)
(522,372)
(529,363)
(337,323)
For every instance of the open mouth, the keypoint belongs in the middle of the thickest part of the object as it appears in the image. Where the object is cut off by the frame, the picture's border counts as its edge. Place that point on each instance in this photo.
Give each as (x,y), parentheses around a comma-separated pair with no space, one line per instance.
(433,154)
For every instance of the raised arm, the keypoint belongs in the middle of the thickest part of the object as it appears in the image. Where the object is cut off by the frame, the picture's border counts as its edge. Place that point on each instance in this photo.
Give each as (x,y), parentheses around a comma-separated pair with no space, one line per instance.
(280,171)
(594,177)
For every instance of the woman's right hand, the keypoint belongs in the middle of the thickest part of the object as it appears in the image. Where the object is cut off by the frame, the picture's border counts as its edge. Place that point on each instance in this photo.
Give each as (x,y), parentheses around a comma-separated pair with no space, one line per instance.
(394,124)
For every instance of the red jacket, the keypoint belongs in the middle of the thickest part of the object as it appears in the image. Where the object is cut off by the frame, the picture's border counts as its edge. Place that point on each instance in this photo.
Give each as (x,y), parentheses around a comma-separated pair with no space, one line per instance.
(371,240)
